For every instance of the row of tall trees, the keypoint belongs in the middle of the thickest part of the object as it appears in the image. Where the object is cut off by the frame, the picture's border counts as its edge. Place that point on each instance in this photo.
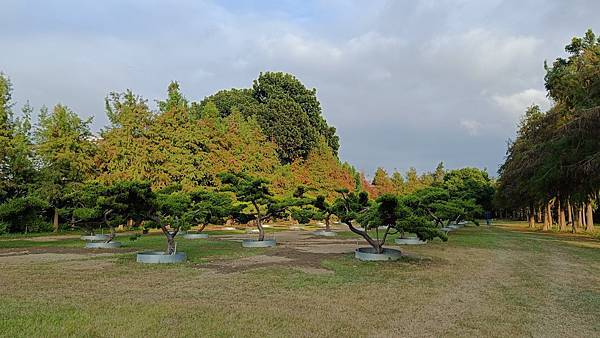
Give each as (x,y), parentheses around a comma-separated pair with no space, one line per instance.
(274,130)
(552,169)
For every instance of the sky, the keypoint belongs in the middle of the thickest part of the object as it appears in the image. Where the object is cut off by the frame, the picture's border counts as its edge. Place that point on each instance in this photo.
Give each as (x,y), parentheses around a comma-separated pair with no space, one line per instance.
(406,83)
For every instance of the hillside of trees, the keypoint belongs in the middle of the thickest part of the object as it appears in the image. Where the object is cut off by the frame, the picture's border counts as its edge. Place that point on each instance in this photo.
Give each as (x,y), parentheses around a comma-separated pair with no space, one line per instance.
(274,130)
(552,170)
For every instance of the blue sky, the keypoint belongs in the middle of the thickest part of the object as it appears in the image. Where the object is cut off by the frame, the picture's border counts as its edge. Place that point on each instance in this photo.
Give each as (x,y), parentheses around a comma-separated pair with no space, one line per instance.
(407,83)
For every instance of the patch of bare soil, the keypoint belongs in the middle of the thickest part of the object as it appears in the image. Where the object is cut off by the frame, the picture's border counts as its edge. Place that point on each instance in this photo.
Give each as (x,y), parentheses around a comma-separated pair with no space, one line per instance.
(280,257)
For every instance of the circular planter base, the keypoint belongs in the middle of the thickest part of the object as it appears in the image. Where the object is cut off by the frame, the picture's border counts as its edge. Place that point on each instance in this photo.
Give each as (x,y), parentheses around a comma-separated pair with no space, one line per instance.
(410,241)
(296,228)
(369,254)
(229,228)
(159,257)
(195,236)
(102,245)
(253,243)
(94,237)
(447,229)
(324,233)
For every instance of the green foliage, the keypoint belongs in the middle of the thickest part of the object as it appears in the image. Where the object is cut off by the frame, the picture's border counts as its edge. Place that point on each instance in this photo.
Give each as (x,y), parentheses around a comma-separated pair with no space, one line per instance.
(303,215)
(255,191)
(23,214)
(470,184)
(556,154)
(288,113)
(124,148)
(438,205)
(212,207)
(64,146)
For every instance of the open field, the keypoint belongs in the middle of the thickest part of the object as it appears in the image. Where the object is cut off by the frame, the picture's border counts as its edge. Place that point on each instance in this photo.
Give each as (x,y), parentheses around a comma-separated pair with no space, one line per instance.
(485,281)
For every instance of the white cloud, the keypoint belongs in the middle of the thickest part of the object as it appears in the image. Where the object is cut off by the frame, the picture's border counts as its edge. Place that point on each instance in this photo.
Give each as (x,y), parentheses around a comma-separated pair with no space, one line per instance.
(471,126)
(483,54)
(516,104)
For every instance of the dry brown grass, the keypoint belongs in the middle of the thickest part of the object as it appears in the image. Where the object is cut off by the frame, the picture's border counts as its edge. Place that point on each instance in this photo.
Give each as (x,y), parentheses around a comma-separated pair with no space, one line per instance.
(483,282)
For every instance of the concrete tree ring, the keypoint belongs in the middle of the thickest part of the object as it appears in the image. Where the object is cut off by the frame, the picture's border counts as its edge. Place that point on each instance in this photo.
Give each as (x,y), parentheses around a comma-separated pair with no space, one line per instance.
(102,245)
(410,241)
(370,254)
(253,243)
(159,257)
(97,237)
(195,236)
(324,233)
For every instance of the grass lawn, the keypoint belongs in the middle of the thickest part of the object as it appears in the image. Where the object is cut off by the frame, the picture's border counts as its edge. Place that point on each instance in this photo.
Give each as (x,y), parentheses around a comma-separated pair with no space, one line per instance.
(502,280)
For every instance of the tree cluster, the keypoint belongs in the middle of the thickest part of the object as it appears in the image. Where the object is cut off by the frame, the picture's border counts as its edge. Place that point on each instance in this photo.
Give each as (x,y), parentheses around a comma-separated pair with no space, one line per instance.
(275,130)
(552,169)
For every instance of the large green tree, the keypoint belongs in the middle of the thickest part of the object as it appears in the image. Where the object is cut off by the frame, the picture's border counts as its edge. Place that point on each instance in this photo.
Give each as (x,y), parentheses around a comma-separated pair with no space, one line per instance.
(66,150)
(289,113)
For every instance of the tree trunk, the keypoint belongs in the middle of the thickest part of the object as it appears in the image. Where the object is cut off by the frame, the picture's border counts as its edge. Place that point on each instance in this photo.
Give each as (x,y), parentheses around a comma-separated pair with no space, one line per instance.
(547,220)
(576,220)
(55,220)
(202,227)
(539,215)
(531,216)
(170,242)
(378,246)
(569,213)
(582,216)
(589,217)
(112,235)
(327,227)
(261,231)
(170,235)
(562,223)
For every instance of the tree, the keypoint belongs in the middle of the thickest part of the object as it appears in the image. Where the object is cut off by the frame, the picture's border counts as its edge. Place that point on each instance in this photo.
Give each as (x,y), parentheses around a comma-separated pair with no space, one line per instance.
(438,205)
(264,206)
(172,213)
(327,210)
(22,214)
(288,113)
(5,114)
(440,173)
(281,86)
(17,169)
(553,162)
(382,182)
(66,150)
(208,207)
(470,184)
(388,211)
(124,147)
(398,182)
(83,206)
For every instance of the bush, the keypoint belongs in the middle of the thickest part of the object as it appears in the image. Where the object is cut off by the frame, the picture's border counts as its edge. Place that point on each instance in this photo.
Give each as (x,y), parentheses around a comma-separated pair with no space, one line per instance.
(22,214)
(3,228)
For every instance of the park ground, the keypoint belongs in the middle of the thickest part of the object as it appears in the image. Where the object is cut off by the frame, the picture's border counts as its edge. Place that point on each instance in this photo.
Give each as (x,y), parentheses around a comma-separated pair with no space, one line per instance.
(502,280)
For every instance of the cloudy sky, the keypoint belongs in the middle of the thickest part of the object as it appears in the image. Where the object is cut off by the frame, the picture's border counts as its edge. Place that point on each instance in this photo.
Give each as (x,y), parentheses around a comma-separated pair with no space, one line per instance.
(407,83)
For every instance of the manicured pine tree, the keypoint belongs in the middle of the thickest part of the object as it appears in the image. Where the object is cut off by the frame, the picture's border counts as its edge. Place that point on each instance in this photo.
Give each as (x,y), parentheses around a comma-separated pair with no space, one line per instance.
(388,211)
(263,204)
